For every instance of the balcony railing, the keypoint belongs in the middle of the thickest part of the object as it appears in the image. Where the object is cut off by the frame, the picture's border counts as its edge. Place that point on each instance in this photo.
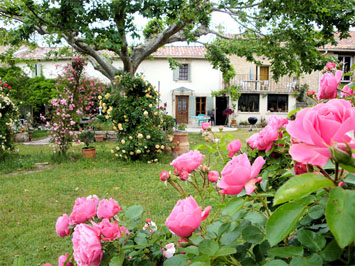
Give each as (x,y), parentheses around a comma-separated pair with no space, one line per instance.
(285,84)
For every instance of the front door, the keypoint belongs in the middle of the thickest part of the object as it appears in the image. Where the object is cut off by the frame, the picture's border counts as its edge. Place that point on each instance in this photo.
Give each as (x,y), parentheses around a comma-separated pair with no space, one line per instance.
(221,105)
(182,109)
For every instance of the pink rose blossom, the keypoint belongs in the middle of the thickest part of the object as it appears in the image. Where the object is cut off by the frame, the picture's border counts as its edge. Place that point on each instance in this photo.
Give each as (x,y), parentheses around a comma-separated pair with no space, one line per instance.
(72,123)
(319,126)
(184,175)
(87,245)
(188,161)
(234,147)
(213,176)
(186,217)
(347,92)
(84,209)
(47,264)
(238,173)
(62,259)
(205,125)
(61,226)
(330,65)
(108,208)
(164,175)
(311,93)
(300,168)
(264,139)
(277,122)
(110,231)
(329,84)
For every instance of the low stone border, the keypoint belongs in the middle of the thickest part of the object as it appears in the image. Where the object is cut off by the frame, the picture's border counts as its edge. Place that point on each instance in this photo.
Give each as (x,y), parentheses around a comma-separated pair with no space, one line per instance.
(108,135)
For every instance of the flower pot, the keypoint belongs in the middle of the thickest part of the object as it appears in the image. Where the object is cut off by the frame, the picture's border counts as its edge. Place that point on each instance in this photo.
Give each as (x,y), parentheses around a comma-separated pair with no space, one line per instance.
(180,143)
(89,152)
(99,138)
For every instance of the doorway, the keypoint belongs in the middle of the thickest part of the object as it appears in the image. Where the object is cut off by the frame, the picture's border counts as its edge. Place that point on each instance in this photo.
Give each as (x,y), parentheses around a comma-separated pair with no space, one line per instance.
(182,109)
(221,105)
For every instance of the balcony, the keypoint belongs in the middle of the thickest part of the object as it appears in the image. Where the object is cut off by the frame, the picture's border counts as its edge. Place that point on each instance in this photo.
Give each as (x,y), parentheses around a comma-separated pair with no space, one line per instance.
(284,85)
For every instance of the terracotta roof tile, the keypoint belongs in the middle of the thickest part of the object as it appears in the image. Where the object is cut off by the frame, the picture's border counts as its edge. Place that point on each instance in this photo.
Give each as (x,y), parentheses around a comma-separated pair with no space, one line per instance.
(348,43)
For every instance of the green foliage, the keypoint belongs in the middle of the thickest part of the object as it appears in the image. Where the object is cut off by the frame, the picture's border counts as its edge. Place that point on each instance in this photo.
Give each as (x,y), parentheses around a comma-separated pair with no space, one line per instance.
(87,137)
(153,28)
(39,91)
(232,90)
(299,92)
(141,127)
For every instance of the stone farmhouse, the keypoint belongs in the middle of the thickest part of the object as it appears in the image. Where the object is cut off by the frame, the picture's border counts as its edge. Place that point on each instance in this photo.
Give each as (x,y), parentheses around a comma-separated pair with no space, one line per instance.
(186,91)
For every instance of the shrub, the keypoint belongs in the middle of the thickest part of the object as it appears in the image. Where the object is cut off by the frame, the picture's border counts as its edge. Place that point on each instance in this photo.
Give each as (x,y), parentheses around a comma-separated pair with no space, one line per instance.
(8,114)
(134,114)
(87,137)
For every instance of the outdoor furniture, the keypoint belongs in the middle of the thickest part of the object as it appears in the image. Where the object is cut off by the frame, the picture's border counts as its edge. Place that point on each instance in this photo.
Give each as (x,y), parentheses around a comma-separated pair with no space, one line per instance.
(201,118)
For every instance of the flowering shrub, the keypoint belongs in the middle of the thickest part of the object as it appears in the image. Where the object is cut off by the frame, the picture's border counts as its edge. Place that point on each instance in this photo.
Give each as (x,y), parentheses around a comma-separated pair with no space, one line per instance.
(8,113)
(77,97)
(141,126)
(272,206)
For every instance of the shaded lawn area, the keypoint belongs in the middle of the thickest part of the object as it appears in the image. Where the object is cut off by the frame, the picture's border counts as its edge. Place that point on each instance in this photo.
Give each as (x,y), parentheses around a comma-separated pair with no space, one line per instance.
(31,202)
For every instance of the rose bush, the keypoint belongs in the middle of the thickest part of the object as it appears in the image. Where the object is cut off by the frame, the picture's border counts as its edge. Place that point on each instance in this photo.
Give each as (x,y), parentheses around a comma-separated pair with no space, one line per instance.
(8,114)
(142,128)
(273,211)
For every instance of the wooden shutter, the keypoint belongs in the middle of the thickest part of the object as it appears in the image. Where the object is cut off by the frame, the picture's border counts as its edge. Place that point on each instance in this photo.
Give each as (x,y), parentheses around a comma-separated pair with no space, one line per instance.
(189,69)
(209,103)
(192,106)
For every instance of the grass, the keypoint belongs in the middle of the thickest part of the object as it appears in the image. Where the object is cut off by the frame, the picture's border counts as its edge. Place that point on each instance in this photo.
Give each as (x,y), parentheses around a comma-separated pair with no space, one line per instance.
(31,202)
(39,134)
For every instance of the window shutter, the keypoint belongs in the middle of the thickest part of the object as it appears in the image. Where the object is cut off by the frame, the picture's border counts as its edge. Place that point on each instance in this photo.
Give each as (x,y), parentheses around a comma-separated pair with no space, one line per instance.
(192,106)
(175,74)
(39,69)
(189,69)
(209,103)
(34,70)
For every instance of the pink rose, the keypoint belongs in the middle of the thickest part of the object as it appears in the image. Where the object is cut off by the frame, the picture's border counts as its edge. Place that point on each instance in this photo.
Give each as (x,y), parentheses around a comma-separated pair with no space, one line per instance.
(347,92)
(188,161)
(84,209)
(61,227)
(62,259)
(238,173)
(108,208)
(168,251)
(72,123)
(319,126)
(213,176)
(184,175)
(186,217)
(311,93)
(264,139)
(205,125)
(329,84)
(277,122)
(87,245)
(164,175)
(110,231)
(330,65)
(47,264)
(233,147)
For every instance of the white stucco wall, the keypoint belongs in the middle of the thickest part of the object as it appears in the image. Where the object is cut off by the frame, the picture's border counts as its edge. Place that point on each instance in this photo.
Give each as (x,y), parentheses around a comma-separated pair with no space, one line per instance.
(204,79)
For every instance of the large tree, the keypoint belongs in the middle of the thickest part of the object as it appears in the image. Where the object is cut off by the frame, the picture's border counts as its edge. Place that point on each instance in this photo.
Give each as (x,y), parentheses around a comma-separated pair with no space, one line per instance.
(287,32)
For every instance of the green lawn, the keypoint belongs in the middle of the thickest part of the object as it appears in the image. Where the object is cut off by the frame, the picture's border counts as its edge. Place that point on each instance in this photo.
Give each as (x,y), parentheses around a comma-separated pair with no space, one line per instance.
(31,201)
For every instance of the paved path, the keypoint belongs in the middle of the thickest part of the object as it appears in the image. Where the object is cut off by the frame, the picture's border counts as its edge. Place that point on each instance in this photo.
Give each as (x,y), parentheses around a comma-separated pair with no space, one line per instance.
(214,129)
(38,142)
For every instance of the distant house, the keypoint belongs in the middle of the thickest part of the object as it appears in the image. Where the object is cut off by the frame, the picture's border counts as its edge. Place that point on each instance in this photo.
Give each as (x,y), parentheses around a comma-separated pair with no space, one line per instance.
(262,96)
(186,91)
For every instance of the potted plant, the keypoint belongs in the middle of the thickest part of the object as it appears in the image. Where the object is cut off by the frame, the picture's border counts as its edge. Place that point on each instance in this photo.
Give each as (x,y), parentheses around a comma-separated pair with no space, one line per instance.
(87,137)
(180,141)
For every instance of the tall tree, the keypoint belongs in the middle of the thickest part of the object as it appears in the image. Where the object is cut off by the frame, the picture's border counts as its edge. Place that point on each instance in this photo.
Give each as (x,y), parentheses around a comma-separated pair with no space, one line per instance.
(285,31)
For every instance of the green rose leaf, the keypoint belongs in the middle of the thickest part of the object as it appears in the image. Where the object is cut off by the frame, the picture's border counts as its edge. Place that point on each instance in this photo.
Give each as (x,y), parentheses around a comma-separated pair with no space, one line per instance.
(284,252)
(340,215)
(233,206)
(208,247)
(225,251)
(331,252)
(299,186)
(284,220)
(316,212)
(252,234)
(134,212)
(229,238)
(276,263)
(311,240)
(313,260)
(117,260)
(178,260)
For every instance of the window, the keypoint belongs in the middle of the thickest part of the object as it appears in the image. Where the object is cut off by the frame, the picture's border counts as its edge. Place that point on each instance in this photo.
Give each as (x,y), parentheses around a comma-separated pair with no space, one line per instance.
(37,70)
(184,72)
(277,103)
(248,103)
(200,105)
(347,62)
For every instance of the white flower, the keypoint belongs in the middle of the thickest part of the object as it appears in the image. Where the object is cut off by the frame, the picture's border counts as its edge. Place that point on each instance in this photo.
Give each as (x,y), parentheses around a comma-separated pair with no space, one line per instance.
(169,250)
(145,113)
